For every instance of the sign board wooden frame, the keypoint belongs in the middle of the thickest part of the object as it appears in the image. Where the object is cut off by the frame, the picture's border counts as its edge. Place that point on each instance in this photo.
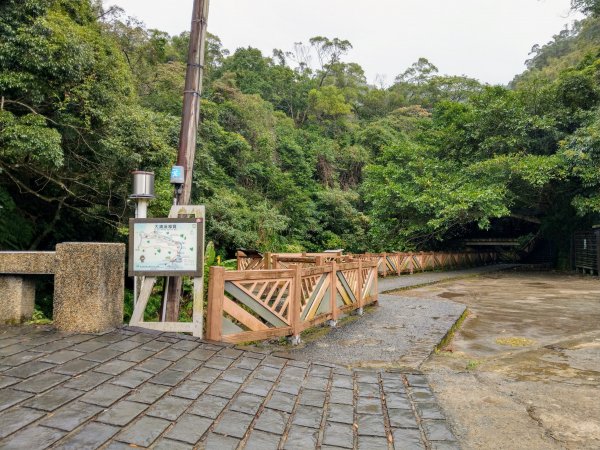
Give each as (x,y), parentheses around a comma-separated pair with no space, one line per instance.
(195,212)
(168,223)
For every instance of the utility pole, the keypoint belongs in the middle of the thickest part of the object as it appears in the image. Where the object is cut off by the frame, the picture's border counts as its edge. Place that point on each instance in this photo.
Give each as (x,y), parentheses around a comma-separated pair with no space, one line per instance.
(189,130)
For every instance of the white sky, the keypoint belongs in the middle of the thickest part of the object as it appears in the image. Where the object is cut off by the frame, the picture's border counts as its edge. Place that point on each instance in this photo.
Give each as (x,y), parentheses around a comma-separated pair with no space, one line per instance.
(484,39)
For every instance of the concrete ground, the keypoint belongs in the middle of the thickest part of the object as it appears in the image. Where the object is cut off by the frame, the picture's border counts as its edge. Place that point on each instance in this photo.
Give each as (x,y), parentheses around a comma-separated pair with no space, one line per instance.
(523,372)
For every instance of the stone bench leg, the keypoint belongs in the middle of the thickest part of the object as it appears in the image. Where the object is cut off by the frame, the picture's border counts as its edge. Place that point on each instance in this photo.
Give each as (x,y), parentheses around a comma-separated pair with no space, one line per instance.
(17,299)
(89,287)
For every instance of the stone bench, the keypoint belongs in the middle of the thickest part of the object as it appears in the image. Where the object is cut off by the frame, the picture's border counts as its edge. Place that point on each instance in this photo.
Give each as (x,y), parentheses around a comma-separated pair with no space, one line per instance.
(88,285)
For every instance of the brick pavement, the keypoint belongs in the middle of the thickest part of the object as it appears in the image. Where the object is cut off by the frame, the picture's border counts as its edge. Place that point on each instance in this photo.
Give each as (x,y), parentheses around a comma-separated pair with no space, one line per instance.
(132,388)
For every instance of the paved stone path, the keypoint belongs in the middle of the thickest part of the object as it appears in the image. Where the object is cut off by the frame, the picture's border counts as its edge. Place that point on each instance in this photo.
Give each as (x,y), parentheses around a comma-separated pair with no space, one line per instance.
(401,333)
(131,388)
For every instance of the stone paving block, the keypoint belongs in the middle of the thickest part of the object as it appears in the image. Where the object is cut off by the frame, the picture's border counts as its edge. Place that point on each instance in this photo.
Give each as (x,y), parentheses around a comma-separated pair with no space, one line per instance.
(33,437)
(105,395)
(87,381)
(205,374)
(16,418)
(307,416)
(282,402)
(394,385)
(155,345)
(267,373)
(301,438)
(168,377)
(75,367)
(71,416)
(338,435)
(234,424)
(218,442)
(366,377)
(429,410)
(437,430)
(125,345)
(259,440)
(112,337)
(340,413)
(343,382)
(144,431)
(258,387)
(8,381)
(217,362)
(102,355)
(137,355)
(122,413)
(189,428)
(171,354)
(131,378)
(12,350)
(190,389)
(246,363)
(56,345)
(169,444)
(236,375)
(342,396)
(143,337)
(185,345)
(317,383)
(274,361)
(114,367)
(368,390)
(397,401)
(41,383)
(417,380)
(208,406)
(29,369)
(185,365)
(409,439)
(288,386)
(272,421)
(61,356)
(294,373)
(402,418)
(91,436)
(89,346)
(169,407)
(153,365)
(222,388)
(312,398)
(372,443)
(320,371)
(149,393)
(368,405)
(371,425)
(200,354)
(246,403)
(422,395)
(53,399)
(230,353)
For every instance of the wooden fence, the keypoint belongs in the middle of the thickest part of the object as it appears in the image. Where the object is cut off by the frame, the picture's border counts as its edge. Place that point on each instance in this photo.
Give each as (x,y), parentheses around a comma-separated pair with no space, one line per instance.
(388,263)
(252,305)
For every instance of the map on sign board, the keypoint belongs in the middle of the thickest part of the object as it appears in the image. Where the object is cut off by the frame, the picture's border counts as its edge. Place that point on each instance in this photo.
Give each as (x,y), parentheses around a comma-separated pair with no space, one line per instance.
(165,246)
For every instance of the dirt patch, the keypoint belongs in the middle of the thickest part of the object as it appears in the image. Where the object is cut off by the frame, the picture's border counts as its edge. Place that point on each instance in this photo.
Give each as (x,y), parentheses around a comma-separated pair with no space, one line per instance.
(450,295)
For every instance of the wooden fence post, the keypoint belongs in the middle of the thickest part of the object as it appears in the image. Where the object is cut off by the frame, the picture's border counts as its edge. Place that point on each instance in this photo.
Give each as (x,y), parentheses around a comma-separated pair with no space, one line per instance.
(296,304)
(268,262)
(360,284)
(238,256)
(319,261)
(333,294)
(385,265)
(214,313)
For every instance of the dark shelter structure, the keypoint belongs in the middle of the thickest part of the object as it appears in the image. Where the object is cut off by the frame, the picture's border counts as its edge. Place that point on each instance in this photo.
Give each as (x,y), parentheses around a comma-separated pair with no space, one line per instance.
(585,251)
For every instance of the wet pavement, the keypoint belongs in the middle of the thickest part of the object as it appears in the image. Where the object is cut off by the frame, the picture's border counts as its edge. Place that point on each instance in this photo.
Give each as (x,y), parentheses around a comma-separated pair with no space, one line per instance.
(131,388)
(523,372)
(401,332)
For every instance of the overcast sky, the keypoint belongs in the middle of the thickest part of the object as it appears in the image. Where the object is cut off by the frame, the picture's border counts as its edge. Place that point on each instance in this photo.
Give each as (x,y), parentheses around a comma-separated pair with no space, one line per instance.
(484,39)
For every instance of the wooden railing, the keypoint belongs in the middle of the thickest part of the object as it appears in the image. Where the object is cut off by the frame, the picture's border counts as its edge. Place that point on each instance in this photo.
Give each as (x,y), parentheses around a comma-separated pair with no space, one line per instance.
(252,305)
(388,264)
(394,264)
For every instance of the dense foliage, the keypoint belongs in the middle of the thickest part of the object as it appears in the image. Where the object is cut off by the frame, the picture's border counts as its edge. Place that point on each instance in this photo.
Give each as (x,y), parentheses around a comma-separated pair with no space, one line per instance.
(296,150)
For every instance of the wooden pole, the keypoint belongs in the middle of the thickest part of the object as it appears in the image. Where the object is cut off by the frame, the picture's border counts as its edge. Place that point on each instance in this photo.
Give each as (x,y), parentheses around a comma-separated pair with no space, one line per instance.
(189,128)
(214,313)
(333,292)
(296,303)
